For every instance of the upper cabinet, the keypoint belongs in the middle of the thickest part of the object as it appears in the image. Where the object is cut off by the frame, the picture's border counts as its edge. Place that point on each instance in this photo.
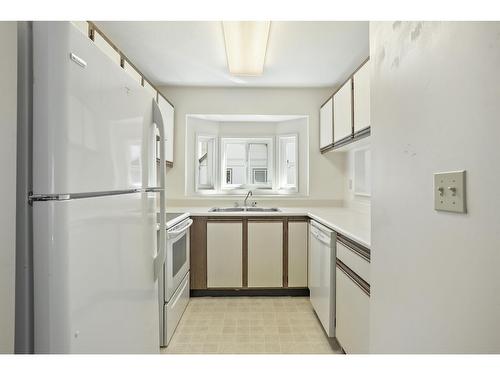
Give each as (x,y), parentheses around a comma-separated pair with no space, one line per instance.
(167,111)
(326,125)
(345,117)
(361,98)
(342,114)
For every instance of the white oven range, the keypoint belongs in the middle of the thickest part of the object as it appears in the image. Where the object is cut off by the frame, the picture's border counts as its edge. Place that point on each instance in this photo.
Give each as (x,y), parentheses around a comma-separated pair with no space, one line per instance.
(173,286)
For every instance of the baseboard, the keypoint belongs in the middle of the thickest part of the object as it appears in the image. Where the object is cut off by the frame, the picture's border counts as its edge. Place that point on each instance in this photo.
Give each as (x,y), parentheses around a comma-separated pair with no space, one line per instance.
(251,292)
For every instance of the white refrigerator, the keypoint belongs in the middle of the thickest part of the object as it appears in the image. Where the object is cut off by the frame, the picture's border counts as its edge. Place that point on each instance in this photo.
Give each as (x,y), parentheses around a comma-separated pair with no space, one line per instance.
(94,200)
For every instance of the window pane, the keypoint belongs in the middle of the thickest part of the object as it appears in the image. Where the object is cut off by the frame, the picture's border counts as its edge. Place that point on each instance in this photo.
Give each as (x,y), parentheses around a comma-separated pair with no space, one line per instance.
(290,151)
(290,177)
(259,175)
(205,162)
(288,162)
(235,161)
(238,175)
(246,163)
(258,163)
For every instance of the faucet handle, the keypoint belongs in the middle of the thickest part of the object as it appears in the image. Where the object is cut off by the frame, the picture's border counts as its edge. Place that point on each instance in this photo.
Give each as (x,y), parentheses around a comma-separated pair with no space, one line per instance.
(254,203)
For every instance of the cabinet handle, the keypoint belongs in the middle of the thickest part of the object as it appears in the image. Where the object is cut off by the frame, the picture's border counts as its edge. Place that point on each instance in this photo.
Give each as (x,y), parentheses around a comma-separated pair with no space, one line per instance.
(355,248)
(362,284)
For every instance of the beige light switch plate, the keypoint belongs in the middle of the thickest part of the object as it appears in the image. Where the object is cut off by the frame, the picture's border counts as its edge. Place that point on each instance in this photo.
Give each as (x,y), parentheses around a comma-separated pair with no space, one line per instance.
(449,191)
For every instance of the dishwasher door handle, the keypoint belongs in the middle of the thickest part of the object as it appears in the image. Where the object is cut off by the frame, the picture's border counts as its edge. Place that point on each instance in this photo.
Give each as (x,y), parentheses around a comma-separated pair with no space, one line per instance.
(321,237)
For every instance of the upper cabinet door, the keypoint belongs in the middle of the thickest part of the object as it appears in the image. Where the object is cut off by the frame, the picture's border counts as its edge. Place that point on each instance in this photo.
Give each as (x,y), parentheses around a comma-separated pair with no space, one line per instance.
(342,112)
(167,111)
(362,97)
(326,124)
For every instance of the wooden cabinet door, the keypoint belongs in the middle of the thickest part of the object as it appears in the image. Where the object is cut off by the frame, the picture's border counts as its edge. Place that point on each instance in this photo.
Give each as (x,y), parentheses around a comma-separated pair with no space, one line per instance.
(297,254)
(224,254)
(342,112)
(361,82)
(352,315)
(265,254)
(167,111)
(326,124)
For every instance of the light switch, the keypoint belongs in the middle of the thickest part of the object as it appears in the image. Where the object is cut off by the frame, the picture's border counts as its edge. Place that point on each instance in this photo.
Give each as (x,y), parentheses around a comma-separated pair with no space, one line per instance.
(449,191)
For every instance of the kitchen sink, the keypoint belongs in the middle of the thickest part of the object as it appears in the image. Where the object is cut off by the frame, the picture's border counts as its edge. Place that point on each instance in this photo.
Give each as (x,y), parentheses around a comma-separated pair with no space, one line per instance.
(243,209)
(227,209)
(261,209)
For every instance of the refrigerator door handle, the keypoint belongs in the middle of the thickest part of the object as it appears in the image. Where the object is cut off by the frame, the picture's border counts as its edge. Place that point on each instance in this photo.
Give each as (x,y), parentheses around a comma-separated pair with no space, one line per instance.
(159,260)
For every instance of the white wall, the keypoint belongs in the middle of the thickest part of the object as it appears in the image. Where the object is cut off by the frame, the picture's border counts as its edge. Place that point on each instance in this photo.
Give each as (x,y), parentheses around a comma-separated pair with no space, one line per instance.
(351,199)
(8,129)
(327,181)
(435,107)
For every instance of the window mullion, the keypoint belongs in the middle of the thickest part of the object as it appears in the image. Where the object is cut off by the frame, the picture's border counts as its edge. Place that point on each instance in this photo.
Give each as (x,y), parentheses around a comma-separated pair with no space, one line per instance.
(247,163)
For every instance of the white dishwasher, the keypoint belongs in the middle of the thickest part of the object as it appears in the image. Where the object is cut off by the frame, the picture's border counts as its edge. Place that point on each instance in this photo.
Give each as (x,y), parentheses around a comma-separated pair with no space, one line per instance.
(321,274)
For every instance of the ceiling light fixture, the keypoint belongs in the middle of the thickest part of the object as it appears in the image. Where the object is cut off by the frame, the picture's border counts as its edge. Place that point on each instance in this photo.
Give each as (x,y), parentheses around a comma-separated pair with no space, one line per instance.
(246,45)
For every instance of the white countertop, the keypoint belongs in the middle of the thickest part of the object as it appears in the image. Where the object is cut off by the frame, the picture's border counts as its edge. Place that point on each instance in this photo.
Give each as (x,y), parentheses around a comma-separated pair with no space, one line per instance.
(350,222)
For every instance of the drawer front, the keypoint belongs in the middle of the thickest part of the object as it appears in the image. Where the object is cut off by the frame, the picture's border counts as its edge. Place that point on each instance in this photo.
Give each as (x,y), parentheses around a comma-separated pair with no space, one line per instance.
(175,308)
(354,261)
(352,315)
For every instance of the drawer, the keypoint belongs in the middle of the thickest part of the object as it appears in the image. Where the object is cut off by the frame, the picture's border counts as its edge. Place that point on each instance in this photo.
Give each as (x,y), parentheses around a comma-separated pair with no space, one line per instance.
(175,308)
(354,261)
(352,314)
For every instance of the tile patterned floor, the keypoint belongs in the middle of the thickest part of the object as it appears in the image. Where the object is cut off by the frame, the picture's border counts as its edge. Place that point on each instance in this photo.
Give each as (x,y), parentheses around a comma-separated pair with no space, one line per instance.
(250,325)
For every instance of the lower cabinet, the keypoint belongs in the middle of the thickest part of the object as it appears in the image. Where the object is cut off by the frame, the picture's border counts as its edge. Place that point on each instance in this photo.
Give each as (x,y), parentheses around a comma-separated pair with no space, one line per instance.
(352,296)
(249,255)
(352,315)
(265,254)
(297,254)
(224,254)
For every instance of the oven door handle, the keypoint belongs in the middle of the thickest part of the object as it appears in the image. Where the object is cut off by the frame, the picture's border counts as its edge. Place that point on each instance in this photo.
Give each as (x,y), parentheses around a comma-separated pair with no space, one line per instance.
(175,233)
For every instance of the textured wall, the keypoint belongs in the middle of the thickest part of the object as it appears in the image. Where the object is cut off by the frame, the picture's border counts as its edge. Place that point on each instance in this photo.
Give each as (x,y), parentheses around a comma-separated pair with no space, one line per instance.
(435,107)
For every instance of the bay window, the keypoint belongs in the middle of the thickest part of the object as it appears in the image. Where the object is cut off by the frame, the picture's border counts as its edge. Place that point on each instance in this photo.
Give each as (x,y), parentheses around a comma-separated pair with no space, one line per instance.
(232,165)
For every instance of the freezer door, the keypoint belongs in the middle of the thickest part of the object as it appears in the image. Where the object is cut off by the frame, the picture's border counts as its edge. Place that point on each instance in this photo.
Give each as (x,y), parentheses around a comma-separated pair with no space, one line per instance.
(93,275)
(92,123)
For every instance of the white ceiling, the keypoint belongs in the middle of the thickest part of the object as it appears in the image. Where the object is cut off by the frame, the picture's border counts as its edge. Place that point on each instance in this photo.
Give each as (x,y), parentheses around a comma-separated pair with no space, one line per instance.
(192,53)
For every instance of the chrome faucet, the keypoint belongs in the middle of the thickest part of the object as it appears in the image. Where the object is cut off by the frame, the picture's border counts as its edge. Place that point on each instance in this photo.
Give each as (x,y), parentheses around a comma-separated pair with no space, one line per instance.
(249,194)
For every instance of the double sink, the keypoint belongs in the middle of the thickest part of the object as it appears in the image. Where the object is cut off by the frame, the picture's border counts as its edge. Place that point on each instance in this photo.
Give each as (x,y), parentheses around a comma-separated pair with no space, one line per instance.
(243,209)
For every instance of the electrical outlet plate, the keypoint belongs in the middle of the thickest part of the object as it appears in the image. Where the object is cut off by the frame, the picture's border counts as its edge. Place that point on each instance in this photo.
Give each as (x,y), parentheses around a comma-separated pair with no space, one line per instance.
(449,191)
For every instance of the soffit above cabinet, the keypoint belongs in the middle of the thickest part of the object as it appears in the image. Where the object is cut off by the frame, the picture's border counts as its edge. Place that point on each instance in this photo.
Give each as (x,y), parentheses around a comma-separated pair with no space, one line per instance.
(192,53)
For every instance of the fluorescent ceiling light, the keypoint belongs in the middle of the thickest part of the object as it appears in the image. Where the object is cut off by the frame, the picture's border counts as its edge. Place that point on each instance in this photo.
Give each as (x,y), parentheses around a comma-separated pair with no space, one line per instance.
(246,45)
